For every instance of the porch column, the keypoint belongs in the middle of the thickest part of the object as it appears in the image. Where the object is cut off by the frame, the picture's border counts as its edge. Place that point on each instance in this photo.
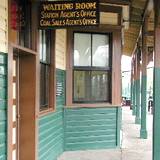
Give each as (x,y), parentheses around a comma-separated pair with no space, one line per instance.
(134,86)
(143,131)
(156,84)
(131,91)
(137,119)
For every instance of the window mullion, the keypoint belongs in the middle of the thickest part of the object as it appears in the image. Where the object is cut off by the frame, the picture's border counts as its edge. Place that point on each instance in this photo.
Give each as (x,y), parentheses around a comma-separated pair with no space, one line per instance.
(43,43)
(90,87)
(45,63)
(80,68)
(46,88)
(91,51)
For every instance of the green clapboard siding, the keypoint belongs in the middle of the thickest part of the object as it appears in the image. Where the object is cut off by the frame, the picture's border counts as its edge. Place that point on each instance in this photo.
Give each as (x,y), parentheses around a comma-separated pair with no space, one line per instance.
(51,128)
(3,106)
(92,128)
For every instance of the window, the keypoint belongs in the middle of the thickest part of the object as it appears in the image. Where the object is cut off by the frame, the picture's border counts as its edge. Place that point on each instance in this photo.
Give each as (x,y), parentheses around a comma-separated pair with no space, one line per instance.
(46,70)
(91,68)
(25,29)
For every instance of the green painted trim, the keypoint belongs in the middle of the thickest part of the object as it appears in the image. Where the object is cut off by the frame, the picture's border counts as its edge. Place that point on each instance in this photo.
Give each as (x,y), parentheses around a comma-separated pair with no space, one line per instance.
(119,125)
(134,99)
(143,131)
(156,119)
(137,118)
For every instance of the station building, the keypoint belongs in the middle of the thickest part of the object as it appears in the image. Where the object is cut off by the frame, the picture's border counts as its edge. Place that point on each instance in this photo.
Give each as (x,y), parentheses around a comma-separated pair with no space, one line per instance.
(60,88)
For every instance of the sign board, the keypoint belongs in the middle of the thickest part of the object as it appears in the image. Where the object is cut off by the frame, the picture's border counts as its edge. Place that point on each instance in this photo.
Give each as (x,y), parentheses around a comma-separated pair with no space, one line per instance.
(62,14)
(60,89)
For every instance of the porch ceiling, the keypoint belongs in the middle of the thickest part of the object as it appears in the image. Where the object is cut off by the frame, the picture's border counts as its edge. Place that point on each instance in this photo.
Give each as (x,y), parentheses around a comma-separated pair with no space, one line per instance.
(131,34)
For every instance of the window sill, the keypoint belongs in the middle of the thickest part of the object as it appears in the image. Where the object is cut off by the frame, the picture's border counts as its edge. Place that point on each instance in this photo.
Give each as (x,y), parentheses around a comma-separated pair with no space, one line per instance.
(95,105)
(46,112)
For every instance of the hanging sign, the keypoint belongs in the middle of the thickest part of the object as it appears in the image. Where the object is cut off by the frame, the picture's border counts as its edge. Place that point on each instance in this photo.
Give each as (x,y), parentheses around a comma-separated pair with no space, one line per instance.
(62,14)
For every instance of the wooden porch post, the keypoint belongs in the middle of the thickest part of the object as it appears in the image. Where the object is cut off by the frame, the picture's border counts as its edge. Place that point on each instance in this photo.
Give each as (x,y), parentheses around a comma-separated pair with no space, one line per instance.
(143,131)
(134,86)
(156,84)
(137,119)
(131,91)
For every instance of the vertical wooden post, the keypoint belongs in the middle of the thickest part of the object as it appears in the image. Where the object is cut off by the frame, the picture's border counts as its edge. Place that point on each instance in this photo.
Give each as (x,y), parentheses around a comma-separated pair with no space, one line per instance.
(137,119)
(143,131)
(134,86)
(156,83)
(131,90)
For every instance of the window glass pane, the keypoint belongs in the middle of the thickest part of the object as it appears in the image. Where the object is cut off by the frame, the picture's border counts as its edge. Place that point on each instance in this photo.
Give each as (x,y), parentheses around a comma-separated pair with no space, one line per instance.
(44,49)
(44,45)
(25,28)
(40,45)
(44,86)
(100,50)
(100,86)
(48,47)
(82,86)
(82,49)
(91,86)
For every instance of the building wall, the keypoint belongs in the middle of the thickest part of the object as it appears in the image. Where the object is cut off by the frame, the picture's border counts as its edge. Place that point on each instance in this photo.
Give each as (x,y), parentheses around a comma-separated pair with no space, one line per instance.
(77,128)
(55,135)
(60,49)
(3,26)
(3,79)
(92,128)
(97,127)
(51,128)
